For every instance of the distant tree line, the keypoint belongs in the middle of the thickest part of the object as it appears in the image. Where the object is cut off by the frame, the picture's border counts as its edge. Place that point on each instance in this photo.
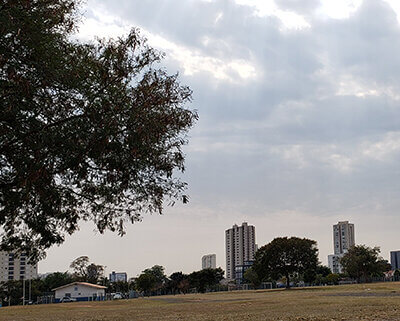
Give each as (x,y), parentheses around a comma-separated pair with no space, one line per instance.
(152,281)
(285,261)
(291,261)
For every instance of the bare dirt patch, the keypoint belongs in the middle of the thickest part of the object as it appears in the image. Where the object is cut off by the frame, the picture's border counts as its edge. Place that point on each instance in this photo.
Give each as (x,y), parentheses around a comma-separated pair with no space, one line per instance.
(379,302)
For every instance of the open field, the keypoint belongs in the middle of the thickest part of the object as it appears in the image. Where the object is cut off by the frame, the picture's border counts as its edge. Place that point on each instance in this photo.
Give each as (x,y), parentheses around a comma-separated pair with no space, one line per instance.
(379,301)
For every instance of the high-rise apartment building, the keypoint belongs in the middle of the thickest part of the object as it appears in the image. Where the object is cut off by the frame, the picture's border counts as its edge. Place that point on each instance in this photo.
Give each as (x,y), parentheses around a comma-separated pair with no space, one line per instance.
(14,267)
(343,239)
(209,261)
(395,260)
(240,247)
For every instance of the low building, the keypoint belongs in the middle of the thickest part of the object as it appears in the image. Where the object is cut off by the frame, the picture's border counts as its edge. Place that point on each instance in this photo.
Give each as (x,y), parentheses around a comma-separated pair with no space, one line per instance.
(209,261)
(343,240)
(395,260)
(16,267)
(334,263)
(80,291)
(118,277)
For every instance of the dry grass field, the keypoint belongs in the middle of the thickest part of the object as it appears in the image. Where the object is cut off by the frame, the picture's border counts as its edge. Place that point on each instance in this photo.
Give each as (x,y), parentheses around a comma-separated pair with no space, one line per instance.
(379,301)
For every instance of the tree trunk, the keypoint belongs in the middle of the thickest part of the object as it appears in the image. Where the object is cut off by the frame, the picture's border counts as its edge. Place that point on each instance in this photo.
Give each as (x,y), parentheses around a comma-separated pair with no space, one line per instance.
(287,281)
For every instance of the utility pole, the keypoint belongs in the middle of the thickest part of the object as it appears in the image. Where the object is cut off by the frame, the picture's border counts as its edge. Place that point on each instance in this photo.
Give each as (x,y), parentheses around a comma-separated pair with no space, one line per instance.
(23,291)
(30,290)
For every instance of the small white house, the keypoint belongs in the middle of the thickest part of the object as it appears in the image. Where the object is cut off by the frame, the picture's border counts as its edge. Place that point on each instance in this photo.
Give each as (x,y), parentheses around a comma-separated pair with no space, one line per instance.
(81,291)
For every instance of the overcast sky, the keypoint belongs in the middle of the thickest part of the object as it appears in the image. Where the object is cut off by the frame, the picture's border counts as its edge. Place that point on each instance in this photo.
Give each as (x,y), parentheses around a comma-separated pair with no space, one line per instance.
(299,128)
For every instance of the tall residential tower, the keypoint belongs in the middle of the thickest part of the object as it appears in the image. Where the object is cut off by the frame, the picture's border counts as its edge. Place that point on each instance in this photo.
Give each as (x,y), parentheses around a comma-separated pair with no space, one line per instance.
(343,239)
(240,247)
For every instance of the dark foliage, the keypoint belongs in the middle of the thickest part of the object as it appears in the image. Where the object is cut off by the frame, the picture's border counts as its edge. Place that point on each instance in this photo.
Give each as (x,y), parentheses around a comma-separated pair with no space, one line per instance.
(206,278)
(88,131)
(151,280)
(362,263)
(84,271)
(286,257)
(178,283)
(251,276)
(55,280)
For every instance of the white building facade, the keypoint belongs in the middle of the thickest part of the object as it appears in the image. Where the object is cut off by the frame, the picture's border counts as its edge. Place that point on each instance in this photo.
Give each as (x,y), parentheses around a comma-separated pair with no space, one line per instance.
(343,239)
(209,261)
(334,263)
(16,267)
(240,247)
(81,291)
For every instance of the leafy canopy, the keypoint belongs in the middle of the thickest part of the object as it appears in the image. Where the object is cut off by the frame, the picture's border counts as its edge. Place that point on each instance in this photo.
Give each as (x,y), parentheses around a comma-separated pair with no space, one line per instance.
(252,277)
(362,262)
(286,257)
(205,278)
(151,279)
(84,271)
(88,131)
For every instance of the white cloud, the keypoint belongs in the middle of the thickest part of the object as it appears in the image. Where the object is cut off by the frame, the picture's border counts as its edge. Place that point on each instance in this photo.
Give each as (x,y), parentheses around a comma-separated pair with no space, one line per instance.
(194,62)
(289,19)
(338,9)
(342,158)
(340,162)
(316,156)
(98,23)
(395,4)
(292,153)
(384,149)
(102,24)
(348,85)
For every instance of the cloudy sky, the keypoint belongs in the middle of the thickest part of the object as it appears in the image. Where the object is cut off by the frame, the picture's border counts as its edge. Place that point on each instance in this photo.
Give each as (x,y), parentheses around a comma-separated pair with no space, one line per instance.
(299,105)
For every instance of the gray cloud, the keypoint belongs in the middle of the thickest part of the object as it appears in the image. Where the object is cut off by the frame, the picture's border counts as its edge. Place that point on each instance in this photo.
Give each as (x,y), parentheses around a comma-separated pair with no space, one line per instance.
(312,130)
(258,132)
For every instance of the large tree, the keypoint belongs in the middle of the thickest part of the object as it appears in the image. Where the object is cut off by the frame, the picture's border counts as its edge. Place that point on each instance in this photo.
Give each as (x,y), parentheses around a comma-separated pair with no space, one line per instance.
(85,271)
(205,278)
(54,280)
(362,262)
(286,257)
(88,131)
(151,279)
(178,282)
